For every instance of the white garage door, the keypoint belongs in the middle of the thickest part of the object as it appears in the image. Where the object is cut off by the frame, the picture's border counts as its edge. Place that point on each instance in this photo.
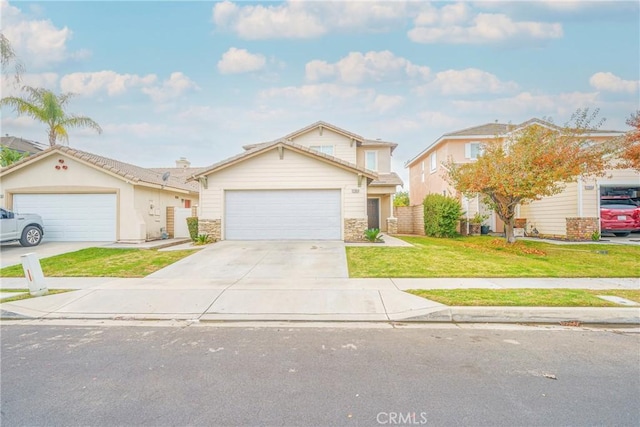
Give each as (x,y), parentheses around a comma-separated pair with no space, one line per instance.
(283,215)
(72,217)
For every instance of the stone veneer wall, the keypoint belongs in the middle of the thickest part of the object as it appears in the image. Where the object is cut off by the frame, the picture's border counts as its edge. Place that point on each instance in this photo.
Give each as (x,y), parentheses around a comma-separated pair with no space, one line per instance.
(410,219)
(210,227)
(581,228)
(392,225)
(354,229)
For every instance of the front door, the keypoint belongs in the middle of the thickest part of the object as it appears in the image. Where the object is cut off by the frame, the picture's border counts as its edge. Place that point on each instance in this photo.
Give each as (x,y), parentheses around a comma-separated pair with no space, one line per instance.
(373,212)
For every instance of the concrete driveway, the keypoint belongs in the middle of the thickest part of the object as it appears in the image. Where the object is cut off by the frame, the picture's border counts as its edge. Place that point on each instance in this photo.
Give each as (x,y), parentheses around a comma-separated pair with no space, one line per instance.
(10,253)
(262,260)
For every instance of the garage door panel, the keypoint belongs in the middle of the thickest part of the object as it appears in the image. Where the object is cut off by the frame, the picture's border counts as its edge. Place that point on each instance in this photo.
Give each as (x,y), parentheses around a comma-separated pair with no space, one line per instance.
(283,215)
(72,217)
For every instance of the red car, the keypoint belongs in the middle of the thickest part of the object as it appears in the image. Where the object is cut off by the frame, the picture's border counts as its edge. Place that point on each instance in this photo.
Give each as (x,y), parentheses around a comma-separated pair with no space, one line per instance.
(619,217)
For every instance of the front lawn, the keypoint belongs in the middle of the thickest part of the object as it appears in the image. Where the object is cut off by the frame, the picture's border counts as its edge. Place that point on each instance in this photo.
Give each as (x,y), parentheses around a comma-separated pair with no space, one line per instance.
(103,262)
(525,297)
(485,256)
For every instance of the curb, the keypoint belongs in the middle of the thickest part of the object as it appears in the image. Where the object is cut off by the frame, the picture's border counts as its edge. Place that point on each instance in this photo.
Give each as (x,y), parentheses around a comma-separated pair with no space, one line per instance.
(582,315)
(539,315)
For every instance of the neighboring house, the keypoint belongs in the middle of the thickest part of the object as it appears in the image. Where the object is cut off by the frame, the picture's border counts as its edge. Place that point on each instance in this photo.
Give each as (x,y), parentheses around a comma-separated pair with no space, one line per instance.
(319,182)
(577,207)
(21,145)
(85,197)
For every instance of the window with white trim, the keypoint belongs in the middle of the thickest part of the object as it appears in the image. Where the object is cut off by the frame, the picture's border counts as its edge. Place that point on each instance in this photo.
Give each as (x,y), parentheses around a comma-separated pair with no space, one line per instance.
(371,160)
(326,149)
(472,150)
(434,162)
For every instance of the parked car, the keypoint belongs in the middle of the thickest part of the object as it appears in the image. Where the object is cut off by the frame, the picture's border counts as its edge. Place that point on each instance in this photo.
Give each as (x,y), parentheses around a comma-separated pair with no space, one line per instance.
(619,216)
(25,228)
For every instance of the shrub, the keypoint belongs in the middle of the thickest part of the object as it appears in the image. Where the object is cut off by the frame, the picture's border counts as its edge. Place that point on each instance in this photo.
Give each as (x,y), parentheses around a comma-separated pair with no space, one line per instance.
(192,224)
(373,235)
(401,198)
(202,239)
(441,215)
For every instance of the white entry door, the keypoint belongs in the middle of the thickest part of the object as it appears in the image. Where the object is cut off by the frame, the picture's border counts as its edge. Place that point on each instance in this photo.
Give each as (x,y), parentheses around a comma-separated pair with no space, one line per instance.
(283,215)
(72,217)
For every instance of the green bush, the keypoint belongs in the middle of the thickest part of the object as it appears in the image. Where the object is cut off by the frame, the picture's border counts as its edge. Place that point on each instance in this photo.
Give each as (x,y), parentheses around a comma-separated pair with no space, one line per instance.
(373,235)
(441,215)
(192,223)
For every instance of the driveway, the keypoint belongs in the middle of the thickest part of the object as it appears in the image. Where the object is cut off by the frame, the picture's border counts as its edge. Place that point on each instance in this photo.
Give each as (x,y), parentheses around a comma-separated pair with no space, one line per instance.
(262,260)
(10,253)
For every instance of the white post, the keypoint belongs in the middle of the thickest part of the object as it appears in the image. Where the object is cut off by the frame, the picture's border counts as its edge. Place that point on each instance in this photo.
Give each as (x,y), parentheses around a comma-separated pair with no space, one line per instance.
(34,275)
(391,205)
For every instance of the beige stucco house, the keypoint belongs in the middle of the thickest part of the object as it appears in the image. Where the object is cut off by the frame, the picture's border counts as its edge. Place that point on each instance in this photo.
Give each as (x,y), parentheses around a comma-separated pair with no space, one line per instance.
(85,197)
(319,182)
(572,214)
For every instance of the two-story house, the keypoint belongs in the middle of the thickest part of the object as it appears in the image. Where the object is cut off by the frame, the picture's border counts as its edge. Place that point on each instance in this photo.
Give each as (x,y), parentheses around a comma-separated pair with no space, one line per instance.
(577,207)
(319,182)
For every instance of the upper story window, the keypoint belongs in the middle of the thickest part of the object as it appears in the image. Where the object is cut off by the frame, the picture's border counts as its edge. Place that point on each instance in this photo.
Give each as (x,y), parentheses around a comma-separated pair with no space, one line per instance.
(434,162)
(326,149)
(371,160)
(472,150)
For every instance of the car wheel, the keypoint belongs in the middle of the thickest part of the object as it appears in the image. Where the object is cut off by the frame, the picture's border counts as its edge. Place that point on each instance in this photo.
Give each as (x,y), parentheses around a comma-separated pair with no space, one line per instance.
(31,236)
(621,234)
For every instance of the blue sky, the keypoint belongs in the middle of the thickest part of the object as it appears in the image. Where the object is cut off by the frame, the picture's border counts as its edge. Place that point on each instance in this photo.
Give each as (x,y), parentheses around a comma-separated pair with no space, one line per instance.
(200,79)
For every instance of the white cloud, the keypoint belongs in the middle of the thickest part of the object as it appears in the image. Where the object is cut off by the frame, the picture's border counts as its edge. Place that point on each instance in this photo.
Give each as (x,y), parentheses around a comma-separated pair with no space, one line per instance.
(562,104)
(289,20)
(307,19)
(483,28)
(317,94)
(139,130)
(468,81)
(439,120)
(45,80)
(171,88)
(37,42)
(385,103)
(87,84)
(236,61)
(609,82)
(357,67)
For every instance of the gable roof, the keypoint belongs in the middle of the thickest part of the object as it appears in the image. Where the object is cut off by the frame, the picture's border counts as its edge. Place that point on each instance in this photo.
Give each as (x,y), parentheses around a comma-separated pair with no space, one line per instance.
(125,171)
(21,145)
(360,140)
(490,130)
(266,146)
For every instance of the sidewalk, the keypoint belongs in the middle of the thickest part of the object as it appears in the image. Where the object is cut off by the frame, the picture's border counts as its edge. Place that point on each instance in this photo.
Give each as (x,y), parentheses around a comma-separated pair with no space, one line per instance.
(332,299)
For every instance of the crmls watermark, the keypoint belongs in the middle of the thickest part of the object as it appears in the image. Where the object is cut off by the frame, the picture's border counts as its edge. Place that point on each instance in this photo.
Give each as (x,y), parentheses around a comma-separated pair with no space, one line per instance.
(402,418)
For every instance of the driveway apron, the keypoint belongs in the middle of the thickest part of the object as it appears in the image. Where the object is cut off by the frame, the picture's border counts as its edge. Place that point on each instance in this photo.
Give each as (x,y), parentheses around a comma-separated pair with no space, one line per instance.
(237,260)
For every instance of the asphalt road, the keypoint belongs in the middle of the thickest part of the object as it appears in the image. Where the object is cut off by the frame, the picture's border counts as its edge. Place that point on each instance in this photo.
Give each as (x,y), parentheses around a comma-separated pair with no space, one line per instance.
(290,376)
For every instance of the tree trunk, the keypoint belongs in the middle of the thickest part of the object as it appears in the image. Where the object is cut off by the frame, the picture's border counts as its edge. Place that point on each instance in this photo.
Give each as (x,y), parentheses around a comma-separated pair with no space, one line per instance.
(508,230)
(52,138)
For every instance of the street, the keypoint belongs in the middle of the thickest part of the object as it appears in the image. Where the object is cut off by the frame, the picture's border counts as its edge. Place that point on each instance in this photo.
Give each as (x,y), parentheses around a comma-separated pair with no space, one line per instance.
(292,375)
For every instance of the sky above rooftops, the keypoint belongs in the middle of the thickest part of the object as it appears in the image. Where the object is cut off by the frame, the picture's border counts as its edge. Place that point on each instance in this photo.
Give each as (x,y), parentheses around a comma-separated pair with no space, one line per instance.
(200,79)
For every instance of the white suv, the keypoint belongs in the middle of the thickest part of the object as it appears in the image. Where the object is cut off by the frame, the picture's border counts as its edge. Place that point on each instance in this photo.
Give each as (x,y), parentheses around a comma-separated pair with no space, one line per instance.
(26,228)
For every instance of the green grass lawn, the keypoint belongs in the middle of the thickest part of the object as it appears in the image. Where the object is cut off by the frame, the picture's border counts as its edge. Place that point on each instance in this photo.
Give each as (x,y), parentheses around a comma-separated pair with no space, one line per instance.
(485,256)
(103,262)
(27,295)
(525,297)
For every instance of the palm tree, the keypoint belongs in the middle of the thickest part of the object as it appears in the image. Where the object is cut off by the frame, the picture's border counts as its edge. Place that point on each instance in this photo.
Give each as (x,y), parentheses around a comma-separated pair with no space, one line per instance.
(47,107)
(8,57)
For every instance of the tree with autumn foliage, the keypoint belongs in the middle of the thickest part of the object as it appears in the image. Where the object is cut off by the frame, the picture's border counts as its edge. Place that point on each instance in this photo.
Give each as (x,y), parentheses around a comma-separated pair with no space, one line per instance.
(534,162)
(631,150)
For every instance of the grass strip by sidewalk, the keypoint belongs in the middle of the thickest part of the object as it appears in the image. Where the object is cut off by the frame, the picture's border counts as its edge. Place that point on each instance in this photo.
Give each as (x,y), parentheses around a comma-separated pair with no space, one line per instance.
(486,256)
(526,297)
(103,262)
(27,295)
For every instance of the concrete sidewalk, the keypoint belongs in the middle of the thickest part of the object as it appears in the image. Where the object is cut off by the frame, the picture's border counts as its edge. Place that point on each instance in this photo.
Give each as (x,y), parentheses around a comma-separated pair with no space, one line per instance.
(306,299)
